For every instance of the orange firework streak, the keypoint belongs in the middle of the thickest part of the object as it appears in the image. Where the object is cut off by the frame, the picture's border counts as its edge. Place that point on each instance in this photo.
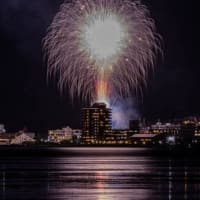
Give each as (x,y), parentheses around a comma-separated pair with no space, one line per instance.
(102,87)
(102,90)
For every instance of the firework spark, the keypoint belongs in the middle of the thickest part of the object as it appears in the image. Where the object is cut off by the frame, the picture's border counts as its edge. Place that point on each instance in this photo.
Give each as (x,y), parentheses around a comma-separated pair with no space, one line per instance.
(101,48)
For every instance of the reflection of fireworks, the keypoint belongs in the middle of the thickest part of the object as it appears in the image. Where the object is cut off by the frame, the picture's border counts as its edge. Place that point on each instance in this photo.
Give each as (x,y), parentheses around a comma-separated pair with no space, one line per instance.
(96,45)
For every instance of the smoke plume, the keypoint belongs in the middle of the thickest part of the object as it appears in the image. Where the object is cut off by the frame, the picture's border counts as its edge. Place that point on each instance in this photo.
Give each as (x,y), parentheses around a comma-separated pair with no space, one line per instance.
(123,111)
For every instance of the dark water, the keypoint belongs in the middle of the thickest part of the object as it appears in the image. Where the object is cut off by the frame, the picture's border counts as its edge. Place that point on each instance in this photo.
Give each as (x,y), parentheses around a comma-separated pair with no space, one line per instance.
(99,174)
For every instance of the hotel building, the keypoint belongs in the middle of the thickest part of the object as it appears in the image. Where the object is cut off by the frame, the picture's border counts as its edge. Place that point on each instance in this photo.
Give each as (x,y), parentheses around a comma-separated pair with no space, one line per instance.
(96,123)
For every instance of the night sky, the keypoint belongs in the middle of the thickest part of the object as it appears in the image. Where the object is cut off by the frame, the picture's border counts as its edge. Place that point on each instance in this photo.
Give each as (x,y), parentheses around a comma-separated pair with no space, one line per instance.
(27,100)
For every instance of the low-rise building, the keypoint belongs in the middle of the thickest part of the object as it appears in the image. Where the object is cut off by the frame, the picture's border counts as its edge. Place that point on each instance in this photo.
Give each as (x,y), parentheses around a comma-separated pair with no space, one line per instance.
(119,136)
(22,138)
(59,135)
(143,139)
(165,128)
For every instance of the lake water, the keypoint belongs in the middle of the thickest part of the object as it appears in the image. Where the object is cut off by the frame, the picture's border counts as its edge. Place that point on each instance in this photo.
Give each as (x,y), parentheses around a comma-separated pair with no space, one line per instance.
(98,174)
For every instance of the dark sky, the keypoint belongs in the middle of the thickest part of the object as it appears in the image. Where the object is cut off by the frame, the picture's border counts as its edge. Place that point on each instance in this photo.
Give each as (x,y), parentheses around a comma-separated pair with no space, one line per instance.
(27,100)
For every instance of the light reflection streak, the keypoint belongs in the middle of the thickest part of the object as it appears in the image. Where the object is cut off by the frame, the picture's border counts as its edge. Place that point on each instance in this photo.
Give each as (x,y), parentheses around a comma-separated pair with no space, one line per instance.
(101,178)
(170,181)
(4,185)
(185,183)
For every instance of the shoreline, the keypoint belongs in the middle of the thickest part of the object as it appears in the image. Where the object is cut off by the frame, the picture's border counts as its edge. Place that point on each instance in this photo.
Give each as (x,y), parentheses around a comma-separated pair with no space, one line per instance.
(58,151)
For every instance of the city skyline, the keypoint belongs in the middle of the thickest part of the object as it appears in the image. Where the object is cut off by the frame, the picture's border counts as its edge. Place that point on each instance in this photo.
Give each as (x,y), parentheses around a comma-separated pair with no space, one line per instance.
(96,129)
(28,100)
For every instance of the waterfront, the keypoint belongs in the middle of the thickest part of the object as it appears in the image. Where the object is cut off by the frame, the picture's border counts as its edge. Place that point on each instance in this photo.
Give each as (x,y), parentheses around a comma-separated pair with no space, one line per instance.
(98,174)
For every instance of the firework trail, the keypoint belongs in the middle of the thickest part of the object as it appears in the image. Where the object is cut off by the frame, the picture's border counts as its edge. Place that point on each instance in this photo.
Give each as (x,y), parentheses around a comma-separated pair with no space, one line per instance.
(101,49)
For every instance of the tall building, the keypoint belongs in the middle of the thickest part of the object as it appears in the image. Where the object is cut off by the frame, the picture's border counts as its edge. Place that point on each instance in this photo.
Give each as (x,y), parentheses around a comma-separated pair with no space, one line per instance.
(96,123)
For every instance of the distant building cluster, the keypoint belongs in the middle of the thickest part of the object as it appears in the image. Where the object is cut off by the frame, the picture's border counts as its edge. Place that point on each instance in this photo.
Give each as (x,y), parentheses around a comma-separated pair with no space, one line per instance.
(19,138)
(96,129)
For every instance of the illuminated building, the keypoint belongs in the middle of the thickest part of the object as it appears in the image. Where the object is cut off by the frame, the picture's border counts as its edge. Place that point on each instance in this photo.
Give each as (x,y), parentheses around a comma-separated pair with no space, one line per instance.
(121,137)
(196,138)
(143,139)
(118,136)
(174,134)
(96,123)
(169,133)
(165,128)
(59,135)
(22,138)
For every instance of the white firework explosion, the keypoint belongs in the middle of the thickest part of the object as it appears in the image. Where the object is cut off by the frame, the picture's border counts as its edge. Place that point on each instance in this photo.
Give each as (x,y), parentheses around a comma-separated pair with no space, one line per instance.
(101,49)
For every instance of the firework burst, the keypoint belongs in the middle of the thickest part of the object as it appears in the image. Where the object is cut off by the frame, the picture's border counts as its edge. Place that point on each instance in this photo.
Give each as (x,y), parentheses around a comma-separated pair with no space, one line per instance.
(101,49)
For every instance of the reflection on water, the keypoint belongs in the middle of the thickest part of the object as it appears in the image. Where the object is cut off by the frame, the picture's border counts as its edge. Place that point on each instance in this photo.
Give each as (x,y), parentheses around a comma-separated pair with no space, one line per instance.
(99,174)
